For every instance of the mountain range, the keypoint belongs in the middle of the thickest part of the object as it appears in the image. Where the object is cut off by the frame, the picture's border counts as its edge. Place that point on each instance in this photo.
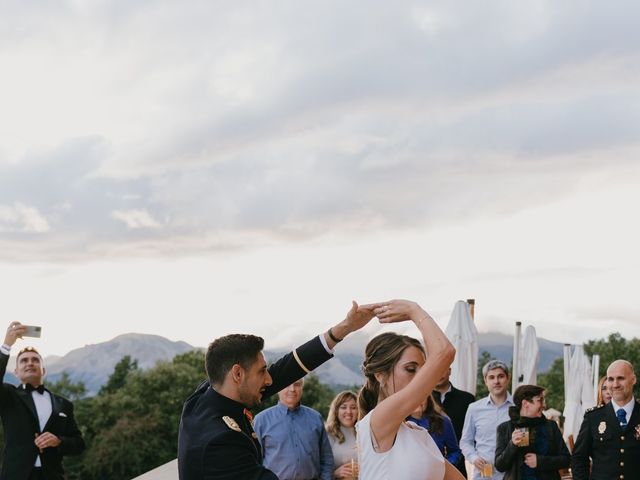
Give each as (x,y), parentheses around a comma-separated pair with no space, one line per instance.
(93,364)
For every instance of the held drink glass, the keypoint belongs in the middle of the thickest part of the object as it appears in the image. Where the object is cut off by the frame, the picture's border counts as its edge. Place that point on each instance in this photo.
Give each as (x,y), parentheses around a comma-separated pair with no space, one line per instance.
(525,437)
(354,469)
(487,471)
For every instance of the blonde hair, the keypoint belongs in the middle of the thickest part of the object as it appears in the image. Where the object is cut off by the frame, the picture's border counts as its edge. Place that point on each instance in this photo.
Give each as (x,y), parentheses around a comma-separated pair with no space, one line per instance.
(600,385)
(333,423)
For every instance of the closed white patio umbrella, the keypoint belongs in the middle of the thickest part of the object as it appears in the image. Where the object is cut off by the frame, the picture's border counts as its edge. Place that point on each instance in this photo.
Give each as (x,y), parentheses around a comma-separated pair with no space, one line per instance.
(530,355)
(462,333)
(579,369)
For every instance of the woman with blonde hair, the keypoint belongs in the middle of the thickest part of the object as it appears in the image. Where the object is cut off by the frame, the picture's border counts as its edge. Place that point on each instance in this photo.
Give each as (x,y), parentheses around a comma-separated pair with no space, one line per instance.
(399,376)
(340,426)
(604,395)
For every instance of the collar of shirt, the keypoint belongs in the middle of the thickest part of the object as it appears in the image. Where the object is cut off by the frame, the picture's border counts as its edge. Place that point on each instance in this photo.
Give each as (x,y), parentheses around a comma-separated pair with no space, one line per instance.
(627,407)
(284,410)
(230,407)
(508,401)
(442,395)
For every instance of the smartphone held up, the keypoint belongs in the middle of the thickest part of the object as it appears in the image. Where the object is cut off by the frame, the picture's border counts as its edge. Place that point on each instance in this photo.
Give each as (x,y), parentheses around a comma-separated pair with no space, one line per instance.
(32,331)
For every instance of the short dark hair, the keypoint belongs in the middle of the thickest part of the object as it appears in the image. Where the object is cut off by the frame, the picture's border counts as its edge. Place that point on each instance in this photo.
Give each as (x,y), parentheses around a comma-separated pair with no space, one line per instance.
(526,392)
(492,365)
(28,350)
(224,352)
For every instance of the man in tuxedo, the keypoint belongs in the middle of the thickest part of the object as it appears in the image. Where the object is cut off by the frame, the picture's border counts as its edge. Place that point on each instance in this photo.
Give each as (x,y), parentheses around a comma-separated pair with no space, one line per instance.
(39,426)
(216,440)
(610,434)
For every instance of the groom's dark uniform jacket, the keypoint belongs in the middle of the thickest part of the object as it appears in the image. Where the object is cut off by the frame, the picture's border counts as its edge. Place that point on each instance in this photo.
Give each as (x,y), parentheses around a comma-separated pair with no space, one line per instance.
(216,439)
(21,424)
(614,450)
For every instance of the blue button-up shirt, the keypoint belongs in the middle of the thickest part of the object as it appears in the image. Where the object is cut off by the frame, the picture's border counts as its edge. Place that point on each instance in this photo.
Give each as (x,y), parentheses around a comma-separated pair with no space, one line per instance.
(295,443)
(479,431)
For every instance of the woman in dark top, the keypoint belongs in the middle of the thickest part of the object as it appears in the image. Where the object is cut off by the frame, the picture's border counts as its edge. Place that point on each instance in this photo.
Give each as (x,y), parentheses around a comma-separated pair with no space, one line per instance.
(431,416)
(543,454)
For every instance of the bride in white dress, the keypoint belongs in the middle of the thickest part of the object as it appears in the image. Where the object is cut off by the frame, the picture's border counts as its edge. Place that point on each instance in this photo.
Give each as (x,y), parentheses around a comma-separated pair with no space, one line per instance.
(399,378)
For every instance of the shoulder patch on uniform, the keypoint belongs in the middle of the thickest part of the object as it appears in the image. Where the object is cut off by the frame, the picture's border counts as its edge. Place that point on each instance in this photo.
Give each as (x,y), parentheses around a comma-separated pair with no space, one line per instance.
(231,423)
(597,407)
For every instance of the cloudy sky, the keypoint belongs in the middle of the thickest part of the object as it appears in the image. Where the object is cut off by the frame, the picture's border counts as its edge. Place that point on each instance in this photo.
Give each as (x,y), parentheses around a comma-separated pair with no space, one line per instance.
(198,168)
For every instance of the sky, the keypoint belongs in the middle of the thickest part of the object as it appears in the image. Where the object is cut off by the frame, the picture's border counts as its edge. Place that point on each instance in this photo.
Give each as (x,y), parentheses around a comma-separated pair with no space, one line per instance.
(197,168)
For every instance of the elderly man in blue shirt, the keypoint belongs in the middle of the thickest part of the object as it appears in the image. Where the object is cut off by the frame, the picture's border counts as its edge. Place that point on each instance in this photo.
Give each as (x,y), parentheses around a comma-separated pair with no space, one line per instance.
(293,438)
(478,441)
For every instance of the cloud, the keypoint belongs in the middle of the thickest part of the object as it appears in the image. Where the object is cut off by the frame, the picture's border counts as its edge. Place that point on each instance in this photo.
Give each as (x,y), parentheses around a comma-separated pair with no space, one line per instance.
(136,218)
(291,123)
(21,218)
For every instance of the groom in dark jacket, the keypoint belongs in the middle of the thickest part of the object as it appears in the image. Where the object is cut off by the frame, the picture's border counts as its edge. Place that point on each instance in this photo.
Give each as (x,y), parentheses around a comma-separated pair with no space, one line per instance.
(216,439)
(39,426)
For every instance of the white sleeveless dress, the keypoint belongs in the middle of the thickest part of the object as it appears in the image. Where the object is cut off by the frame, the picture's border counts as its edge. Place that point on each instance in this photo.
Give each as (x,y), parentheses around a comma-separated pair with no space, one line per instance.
(414,455)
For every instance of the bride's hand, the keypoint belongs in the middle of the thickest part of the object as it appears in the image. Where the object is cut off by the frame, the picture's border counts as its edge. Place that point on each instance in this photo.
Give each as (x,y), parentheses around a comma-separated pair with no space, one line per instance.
(395,310)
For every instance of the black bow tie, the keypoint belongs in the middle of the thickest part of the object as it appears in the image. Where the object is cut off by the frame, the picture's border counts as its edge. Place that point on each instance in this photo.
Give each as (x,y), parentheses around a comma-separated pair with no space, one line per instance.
(30,388)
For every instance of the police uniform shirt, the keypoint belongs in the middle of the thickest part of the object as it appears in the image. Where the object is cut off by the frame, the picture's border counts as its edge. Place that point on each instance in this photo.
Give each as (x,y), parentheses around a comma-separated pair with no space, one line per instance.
(614,449)
(628,408)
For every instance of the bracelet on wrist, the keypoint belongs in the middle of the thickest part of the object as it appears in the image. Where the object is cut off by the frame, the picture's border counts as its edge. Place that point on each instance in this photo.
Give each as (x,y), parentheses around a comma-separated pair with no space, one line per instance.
(333,337)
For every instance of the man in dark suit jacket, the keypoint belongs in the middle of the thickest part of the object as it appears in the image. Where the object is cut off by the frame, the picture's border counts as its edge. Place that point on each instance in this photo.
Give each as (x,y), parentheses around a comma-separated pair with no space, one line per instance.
(610,434)
(455,404)
(216,438)
(39,426)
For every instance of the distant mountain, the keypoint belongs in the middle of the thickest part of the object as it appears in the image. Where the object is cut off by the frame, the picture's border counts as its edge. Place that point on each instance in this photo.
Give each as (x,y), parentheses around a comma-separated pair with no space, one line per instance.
(93,364)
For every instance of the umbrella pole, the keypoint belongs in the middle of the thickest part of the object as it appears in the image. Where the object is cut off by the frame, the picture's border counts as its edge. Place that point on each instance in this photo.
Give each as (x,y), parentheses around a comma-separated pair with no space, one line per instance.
(472,307)
(515,374)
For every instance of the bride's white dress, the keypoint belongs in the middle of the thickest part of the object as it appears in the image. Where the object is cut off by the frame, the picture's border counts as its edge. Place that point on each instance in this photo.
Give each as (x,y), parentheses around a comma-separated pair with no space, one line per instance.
(414,455)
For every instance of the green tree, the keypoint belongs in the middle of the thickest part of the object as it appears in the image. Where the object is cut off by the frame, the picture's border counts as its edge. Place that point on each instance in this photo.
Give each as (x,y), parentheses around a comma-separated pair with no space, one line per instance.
(553,383)
(615,347)
(134,428)
(67,388)
(120,373)
(193,359)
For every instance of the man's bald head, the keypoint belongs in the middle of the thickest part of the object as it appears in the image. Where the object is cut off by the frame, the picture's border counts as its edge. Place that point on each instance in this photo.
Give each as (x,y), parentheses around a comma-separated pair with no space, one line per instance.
(621,379)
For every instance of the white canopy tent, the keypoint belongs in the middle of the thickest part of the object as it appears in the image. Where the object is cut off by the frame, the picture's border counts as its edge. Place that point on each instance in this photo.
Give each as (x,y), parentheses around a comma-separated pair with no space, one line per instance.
(462,333)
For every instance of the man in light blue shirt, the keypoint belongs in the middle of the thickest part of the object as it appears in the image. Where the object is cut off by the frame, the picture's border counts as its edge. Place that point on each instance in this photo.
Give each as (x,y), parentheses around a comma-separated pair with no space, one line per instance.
(293,438)
(478,442)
